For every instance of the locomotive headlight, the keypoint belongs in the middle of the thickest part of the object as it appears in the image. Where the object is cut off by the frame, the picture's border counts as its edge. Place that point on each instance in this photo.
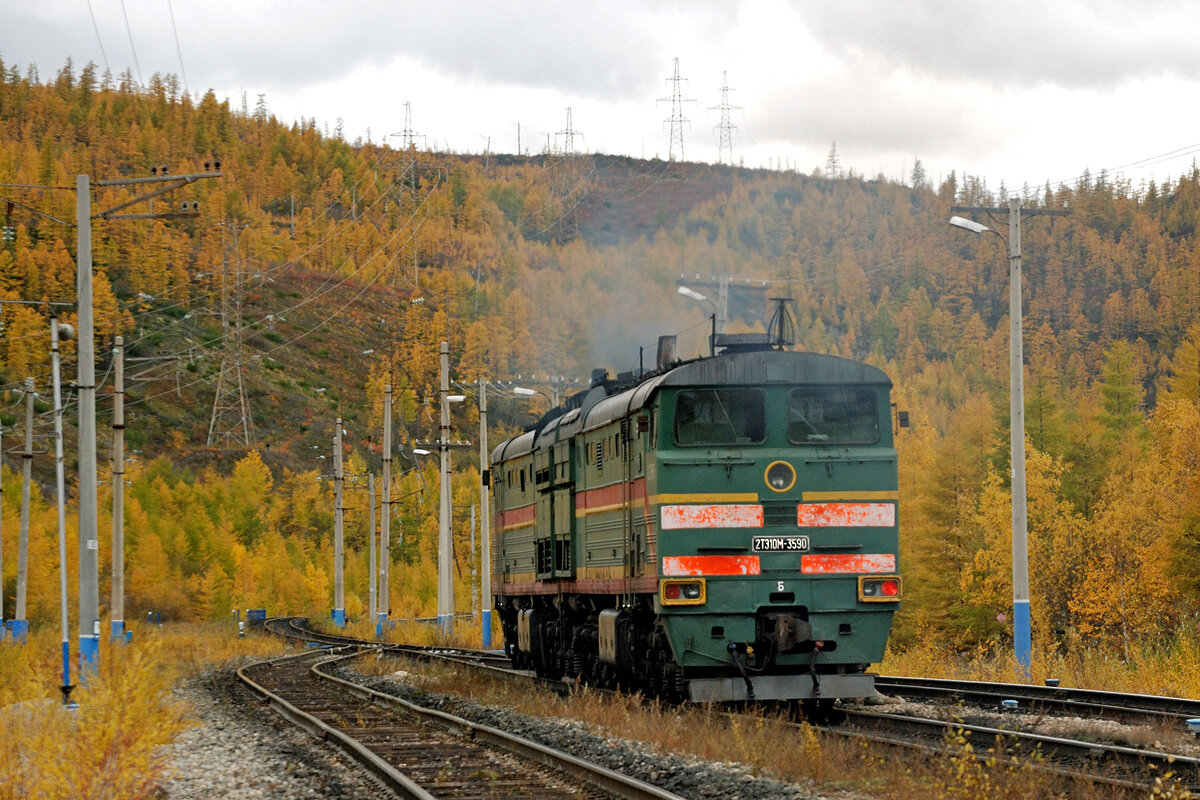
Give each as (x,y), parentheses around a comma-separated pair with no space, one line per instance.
(685,592)
(780,476)
(881,589)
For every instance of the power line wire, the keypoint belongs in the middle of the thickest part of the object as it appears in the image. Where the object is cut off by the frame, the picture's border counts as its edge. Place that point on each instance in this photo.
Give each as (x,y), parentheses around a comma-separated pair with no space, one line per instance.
(129,31)
(178,49)
(99,41)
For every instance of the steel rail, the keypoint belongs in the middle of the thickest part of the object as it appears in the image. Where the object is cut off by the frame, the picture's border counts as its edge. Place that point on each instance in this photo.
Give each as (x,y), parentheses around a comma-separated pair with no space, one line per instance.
(607,780)
(1129,760)
(392,778)
(929,744)
(1112,704)
(602,778)
(882,727)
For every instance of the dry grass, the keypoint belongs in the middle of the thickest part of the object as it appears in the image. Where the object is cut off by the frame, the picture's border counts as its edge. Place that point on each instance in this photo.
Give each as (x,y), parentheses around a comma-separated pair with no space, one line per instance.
(110,746)
(1166,670)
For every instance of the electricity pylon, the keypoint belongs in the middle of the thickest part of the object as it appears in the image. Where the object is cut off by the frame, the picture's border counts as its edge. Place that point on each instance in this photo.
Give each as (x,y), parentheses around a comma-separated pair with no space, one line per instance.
(231,425)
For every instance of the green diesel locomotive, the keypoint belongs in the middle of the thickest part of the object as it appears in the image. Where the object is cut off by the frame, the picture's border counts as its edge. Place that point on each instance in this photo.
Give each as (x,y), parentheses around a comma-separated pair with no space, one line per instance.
(723,529)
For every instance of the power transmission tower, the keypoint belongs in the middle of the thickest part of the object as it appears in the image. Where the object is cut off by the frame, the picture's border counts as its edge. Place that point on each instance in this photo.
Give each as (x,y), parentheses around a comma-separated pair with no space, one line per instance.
(231,425)
(725,127)
(569,135)
(567,174)
(677,120)
(407,136)
(408,202)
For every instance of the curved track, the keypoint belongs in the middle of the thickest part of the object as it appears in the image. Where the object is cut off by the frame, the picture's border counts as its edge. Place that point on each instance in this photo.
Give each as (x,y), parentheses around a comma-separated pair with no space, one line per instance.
(420,753)
(1101,762)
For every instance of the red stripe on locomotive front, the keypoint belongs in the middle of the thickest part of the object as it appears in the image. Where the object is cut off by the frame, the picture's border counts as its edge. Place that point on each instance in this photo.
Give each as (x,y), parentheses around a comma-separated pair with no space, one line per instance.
(711,516)
(843,563)
(846,515)
(680,566)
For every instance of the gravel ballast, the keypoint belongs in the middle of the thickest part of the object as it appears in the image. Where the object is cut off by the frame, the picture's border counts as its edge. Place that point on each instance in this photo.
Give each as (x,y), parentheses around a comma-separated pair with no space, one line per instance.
(688,777)
(241,750)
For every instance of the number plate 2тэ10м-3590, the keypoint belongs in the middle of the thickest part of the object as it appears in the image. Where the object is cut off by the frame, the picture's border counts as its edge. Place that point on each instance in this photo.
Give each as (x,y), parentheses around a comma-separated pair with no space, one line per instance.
(772,544)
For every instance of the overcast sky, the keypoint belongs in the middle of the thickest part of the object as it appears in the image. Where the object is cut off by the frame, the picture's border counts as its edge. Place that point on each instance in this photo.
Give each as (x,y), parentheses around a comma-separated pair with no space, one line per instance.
(1020,92)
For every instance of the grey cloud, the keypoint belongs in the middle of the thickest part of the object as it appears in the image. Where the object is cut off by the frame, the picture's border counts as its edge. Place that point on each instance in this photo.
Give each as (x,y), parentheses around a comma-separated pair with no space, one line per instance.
(1070,43)
(604,51)
(878,116)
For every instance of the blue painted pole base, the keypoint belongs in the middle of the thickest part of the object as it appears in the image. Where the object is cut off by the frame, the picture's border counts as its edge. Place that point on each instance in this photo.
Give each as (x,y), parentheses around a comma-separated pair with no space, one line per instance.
(1021,636)
(485,619)
(445,624)
(339,617)
(89,657)
(20,630)
(66,671)
(118,630)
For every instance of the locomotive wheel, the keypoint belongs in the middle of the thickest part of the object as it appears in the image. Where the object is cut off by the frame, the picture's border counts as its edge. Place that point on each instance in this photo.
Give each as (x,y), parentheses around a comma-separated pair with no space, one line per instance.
(821,712)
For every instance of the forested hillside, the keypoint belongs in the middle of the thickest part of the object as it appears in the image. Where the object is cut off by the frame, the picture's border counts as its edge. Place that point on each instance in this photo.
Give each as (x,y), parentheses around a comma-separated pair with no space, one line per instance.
(352,261)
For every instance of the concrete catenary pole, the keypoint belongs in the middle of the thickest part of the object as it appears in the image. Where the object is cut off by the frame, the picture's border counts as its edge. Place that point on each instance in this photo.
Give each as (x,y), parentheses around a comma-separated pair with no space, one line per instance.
(61,486)
(117,604)
(485,549)
(445,598)
(89,543)
(371,528)
(385,523)
(20,623)
(339,606)
(1016,410)
(3,625)
(474,583)
(1022,638)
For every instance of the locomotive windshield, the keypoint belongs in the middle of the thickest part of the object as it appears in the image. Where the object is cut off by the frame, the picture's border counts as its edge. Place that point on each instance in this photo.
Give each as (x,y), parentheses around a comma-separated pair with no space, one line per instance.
(720,416)
(833,415)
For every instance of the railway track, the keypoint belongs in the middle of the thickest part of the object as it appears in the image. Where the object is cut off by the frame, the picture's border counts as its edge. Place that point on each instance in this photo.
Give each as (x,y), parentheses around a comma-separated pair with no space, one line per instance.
(1096,761)
(1135,708)
(1100,762)
(422,753)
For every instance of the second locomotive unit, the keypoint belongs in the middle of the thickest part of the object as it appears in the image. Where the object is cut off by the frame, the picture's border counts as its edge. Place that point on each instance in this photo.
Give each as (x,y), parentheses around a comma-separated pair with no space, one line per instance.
(722,529)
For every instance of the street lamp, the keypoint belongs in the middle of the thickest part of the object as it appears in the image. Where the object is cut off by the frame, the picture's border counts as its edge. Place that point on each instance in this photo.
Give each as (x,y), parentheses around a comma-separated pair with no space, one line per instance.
(1022,643)
(718,311)
(972,226)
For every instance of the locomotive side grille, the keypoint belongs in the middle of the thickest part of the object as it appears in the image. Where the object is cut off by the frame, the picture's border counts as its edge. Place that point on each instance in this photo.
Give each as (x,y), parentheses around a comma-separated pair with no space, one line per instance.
(780,512)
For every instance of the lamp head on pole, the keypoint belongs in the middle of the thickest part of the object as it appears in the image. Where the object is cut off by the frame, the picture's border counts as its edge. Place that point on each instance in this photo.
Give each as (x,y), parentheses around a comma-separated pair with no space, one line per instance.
(969,225)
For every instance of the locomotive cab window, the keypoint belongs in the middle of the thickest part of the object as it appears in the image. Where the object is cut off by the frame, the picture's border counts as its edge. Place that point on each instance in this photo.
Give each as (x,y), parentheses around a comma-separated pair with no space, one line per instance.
(720,417)
(833,415)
